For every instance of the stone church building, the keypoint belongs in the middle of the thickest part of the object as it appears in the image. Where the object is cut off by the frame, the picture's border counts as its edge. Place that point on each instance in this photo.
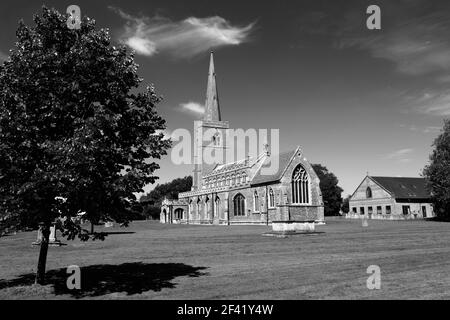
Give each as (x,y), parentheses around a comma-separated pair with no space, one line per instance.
(391,198)
(239,192)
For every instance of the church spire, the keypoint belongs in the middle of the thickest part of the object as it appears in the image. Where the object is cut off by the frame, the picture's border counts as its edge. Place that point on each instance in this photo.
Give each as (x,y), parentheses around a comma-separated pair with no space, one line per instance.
(212,109)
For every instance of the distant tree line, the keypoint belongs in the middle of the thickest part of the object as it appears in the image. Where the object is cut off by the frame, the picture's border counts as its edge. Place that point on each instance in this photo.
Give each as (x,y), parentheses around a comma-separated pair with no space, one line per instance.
(151,202)
(331,192)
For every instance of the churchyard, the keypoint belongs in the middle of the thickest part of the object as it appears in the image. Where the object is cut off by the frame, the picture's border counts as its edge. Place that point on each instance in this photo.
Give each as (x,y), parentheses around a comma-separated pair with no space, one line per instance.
(149,260)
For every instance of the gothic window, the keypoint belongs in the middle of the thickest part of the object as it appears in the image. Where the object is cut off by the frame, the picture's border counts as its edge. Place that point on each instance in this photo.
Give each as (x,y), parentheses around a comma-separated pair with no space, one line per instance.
(179,214)
(217,208)
(233,180)
(239,205)
(216,139)
(271,198)
(207,207)
(300,186)
(255,201)
(368,192)
(198,206)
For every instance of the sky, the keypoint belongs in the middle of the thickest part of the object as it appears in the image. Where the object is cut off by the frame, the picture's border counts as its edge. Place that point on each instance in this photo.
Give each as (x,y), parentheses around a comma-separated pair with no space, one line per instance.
(356,100)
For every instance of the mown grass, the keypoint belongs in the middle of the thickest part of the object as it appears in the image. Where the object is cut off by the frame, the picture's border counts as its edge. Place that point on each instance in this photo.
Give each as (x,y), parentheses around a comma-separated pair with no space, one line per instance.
(153,261)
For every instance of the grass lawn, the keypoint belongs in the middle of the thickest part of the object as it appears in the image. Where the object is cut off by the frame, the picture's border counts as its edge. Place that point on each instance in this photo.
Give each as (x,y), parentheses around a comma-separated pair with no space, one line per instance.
(153,261)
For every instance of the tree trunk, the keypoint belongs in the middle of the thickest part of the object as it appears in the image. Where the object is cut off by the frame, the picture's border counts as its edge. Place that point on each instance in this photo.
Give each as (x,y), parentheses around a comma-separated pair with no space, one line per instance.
(40,273)
(92,228)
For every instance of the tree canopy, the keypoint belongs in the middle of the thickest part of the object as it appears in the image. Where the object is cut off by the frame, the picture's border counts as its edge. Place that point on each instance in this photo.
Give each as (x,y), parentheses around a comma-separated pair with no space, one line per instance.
(331,192)
(170,190)
(437,173)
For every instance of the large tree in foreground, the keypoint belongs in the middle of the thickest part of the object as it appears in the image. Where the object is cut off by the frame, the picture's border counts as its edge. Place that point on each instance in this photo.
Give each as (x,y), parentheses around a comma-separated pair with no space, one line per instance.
(75,134)
(331,192)
(438,173)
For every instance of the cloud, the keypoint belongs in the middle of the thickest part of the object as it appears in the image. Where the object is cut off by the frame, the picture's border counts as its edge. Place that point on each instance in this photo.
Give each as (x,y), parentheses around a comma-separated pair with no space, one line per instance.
(193,107)
(421,129)
(400,155)
(181,39)
(434,102)
(432,129)
(417,46)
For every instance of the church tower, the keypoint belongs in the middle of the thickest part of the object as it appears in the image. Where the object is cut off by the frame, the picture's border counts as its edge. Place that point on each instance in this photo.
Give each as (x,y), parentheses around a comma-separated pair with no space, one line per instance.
(210,132)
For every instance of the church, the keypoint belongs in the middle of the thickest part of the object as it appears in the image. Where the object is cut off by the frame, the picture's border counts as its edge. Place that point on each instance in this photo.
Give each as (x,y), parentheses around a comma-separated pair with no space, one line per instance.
(239,192)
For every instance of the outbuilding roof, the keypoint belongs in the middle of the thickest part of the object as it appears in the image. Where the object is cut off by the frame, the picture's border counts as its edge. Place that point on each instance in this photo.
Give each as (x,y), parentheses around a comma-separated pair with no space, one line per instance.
(404,188)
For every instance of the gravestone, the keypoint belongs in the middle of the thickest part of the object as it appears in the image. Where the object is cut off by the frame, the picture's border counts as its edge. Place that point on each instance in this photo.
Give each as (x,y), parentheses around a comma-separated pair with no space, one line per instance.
(53,241)
(39,238)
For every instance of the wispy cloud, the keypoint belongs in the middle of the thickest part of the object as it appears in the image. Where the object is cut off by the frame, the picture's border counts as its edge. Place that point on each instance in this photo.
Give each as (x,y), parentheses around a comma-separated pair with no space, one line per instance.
(401,155)
(421,129)
(417,46)
(181,39)
(430,102)
(192,107)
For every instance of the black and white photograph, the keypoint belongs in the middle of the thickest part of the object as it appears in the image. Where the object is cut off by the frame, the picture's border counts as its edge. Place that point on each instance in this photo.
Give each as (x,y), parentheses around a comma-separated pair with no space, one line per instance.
(225,156)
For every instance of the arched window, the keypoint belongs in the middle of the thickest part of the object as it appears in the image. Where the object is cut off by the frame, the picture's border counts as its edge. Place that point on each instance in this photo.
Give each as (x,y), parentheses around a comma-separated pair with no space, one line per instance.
(239,205)
(207,203)
(271,198)
(217,207)
(179,213)
(368,192)
(300,186)
(199,201)
(255,201)
(216,139)
(190,209)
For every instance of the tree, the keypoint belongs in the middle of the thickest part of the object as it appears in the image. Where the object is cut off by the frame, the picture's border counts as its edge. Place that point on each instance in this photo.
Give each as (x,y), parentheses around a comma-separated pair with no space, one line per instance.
(345,207)
(331,192)
(76,133)
(169,190)
(437,173)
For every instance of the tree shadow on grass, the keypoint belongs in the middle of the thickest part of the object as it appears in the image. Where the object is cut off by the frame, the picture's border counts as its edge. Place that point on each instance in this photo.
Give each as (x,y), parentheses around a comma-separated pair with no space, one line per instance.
(98,280)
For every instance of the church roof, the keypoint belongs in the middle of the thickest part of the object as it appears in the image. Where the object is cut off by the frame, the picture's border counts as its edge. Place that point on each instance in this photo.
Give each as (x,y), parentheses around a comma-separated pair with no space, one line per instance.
(229,166)
(284,159)
(404,188)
